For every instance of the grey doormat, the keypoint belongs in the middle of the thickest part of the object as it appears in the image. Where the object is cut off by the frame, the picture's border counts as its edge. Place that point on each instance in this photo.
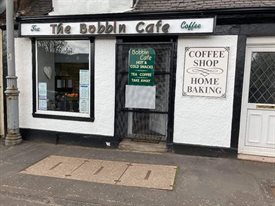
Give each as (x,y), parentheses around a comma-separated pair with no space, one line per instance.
(108,172)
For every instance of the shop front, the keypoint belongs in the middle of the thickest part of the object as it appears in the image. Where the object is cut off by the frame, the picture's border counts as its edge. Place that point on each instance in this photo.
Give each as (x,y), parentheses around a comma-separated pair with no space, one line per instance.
(163,78)
(75,72)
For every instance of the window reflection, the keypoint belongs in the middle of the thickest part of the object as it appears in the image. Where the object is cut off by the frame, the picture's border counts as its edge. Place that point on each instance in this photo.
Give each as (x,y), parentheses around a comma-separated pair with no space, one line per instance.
(63,75)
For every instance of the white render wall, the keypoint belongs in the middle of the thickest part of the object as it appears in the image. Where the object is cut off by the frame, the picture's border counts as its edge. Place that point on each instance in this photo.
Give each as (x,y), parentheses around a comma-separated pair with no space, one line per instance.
(202,120)
(104,92)
(69,7)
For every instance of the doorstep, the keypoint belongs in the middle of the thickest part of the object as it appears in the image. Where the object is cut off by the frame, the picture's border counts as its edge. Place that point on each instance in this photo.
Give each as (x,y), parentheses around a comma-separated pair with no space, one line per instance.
(143,147)
(256,158)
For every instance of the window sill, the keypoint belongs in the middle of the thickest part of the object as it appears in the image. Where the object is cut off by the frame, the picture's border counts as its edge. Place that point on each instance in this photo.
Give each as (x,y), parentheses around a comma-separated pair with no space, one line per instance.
(60,117)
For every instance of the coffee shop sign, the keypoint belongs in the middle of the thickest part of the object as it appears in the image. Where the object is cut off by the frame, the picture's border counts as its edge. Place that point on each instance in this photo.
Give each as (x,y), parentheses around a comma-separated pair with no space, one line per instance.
(168,26)
(205,71)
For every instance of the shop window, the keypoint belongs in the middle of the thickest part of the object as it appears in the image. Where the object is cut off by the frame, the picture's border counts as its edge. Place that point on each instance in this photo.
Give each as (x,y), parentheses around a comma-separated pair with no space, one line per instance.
(64,79)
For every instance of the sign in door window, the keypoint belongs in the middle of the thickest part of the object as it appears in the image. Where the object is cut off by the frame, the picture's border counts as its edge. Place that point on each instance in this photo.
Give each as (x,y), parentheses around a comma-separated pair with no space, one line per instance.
(141,66)
(141,89)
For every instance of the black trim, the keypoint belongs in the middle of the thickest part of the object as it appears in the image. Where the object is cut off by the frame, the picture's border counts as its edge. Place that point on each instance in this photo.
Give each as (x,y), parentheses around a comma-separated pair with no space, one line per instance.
(237,104)
(172,91)
(33,76)
(3,27)
(146,42)
(49,116)
(200,150)
(141,15)
(92,79)
(143,111)
(116,136)
(88,140)
(67,37)
(112,17)
(145,39)
(19,29)
(92,84)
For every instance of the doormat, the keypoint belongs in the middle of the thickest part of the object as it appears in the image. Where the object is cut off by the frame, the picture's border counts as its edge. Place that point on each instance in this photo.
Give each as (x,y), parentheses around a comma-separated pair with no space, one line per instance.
(107,172)
(145,138)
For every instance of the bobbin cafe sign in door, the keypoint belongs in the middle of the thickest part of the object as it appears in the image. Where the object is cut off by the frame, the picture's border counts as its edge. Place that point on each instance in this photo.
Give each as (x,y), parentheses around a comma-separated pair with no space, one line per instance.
(205,71)
(141,89)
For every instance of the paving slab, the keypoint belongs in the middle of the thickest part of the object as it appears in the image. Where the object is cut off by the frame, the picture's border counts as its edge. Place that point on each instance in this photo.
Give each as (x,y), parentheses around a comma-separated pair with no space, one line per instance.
(151,176)
(55,166)
(107,172)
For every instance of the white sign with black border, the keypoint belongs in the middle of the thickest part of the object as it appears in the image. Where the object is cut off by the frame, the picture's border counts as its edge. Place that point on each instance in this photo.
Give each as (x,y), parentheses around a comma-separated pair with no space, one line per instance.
(205,71)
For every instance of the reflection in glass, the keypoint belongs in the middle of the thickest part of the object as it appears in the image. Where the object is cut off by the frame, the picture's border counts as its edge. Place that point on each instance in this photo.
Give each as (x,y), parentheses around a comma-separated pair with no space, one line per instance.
(60,64)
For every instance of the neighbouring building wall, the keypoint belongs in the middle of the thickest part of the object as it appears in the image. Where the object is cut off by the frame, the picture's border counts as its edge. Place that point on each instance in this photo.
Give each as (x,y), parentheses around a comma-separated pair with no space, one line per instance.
(1,90)
(104,91)
(204,120)
(68,7)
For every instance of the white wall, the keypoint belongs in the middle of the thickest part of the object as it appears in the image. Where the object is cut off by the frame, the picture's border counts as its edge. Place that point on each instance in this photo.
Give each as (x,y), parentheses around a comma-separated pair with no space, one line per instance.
(66,7)
(202,120)
(104,91)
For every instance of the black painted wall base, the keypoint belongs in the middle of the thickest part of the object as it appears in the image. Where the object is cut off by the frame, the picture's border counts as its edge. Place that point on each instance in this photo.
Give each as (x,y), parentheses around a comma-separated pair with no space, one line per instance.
(99,141)
(198,150)
(67,138)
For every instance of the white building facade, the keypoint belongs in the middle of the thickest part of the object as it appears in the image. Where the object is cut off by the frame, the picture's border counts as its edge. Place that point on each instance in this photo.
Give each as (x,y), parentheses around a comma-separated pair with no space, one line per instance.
(149,76)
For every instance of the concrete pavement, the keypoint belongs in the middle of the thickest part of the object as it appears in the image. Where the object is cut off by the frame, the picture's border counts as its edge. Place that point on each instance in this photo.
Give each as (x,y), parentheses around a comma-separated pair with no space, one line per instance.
(200,180)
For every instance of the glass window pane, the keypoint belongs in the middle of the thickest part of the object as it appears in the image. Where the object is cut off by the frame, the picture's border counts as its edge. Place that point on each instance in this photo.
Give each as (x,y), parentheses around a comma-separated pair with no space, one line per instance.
(63,75)
(262,78)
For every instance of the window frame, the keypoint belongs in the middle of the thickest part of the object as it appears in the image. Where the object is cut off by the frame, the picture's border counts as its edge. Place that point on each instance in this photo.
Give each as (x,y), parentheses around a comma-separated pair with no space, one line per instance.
(63,115)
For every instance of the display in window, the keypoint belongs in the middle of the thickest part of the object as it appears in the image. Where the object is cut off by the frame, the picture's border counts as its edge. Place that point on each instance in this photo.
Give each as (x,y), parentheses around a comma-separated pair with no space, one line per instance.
(84,91)
(42,95)
(48,72)
(60,64)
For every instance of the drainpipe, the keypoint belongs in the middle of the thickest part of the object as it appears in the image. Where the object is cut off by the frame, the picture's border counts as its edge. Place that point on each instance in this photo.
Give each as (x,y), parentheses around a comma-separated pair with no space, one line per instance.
(13,136)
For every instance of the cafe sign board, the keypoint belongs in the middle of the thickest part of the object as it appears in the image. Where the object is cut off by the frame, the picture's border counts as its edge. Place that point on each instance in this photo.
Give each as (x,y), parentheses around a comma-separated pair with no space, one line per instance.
(141,90)
(141,66)
(205,71)
(134,27)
